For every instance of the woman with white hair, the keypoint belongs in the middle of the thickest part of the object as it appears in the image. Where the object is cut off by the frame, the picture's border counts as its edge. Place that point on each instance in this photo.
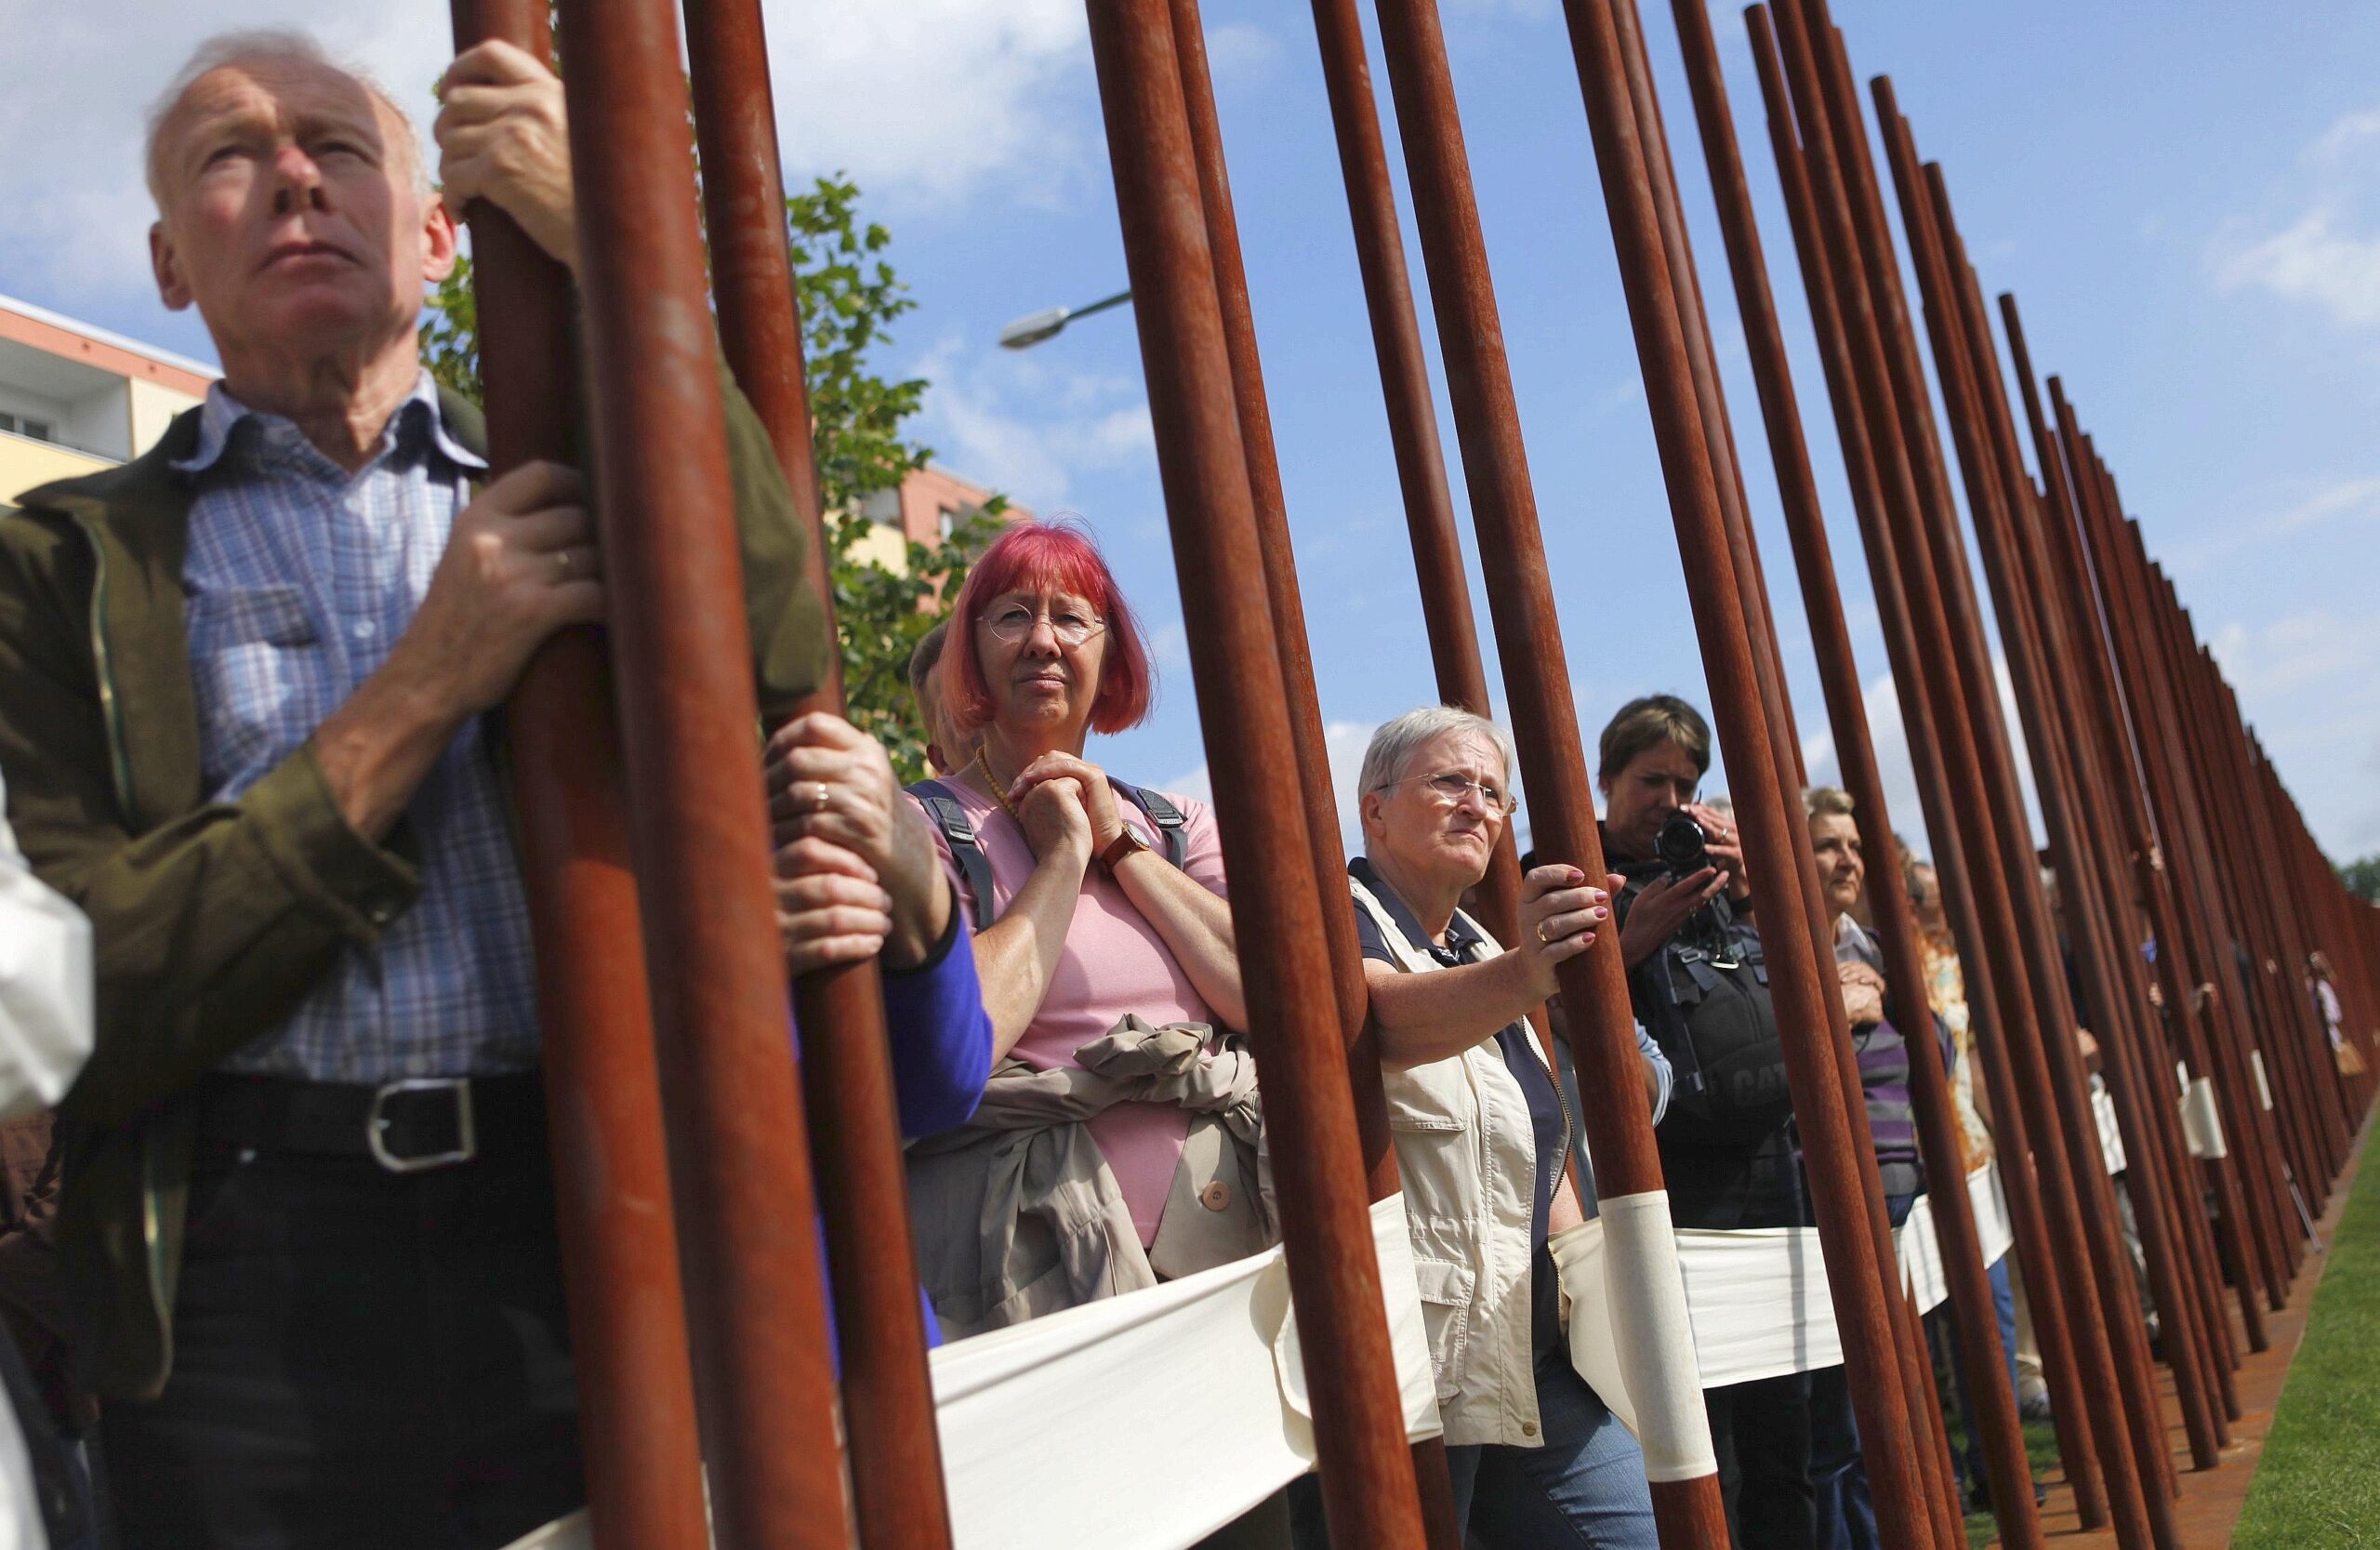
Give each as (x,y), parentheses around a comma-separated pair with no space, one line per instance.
(1483,1127)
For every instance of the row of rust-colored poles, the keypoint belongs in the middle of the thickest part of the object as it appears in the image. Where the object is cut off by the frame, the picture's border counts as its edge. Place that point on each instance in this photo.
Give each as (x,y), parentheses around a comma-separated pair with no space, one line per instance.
(1977,1324)
(1949,702)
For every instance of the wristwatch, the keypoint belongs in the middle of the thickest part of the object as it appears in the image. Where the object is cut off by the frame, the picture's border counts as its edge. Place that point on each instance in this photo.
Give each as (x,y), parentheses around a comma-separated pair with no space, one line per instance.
(1124,845)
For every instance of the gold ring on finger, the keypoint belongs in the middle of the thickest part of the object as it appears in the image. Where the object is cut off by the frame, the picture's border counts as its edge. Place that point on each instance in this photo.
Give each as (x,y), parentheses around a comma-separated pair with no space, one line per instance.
(561,560)
(1541,938)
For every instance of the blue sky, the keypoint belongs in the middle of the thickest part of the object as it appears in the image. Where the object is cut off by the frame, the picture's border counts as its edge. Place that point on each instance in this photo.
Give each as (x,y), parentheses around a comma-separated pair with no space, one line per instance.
(2186,200)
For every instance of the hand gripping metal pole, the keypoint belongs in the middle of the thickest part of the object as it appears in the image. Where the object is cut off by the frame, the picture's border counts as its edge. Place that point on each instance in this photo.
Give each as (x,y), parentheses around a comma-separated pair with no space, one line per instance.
(1367,1470)
(846,1068)
(628,1317)
(765,1377)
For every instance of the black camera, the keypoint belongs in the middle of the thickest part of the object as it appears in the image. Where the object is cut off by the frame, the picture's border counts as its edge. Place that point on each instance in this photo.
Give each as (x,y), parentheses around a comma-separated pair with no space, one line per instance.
(1681,845)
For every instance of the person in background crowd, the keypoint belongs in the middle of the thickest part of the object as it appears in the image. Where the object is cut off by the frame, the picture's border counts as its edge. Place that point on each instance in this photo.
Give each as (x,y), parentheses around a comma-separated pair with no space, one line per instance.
(243,682)
(1699,984)
(1536,1457)
(46,1036)
(1946,991)
(947,746)
(1104,945)
(1846,1515)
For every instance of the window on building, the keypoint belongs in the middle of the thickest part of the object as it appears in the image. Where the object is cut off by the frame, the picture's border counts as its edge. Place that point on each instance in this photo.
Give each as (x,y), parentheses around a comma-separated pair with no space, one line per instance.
(39,429)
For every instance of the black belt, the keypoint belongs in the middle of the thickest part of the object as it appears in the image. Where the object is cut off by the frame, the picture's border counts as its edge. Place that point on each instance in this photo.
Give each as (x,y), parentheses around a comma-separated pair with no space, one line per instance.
(404,1126)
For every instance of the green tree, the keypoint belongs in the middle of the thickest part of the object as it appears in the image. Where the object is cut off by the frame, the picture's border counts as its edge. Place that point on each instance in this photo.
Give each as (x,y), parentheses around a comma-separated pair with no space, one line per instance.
(849,295)
(2362,877)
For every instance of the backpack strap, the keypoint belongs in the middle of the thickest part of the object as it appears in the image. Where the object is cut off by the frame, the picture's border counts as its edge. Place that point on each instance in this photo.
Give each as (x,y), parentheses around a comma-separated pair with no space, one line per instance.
(1170,824)
(941,805)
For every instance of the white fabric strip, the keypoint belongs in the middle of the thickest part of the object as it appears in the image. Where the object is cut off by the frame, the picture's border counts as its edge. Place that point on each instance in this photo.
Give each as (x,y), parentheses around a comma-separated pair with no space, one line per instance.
(2202,1124)
(46,1005)
(2103,1109)
(1637,1350)
(2263,1088)
(1210,1361)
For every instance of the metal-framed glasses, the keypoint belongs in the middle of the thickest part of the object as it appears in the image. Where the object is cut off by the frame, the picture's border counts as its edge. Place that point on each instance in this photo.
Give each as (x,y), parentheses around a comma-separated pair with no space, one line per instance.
(1072,626)
(1451,789)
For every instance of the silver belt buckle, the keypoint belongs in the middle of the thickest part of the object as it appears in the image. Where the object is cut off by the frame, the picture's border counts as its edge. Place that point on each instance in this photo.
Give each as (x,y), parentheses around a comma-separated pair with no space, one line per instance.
(375,1125)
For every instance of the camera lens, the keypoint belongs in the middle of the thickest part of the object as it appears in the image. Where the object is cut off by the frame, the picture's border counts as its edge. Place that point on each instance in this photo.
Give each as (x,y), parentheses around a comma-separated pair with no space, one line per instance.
(1681,844)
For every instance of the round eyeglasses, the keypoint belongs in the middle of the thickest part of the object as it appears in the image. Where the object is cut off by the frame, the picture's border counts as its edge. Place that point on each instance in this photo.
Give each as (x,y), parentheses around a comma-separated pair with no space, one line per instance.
(1014,622)
(1451,789)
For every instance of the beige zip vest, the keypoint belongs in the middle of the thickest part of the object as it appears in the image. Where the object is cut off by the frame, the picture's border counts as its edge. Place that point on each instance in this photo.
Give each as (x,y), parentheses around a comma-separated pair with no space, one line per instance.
(1467,1153)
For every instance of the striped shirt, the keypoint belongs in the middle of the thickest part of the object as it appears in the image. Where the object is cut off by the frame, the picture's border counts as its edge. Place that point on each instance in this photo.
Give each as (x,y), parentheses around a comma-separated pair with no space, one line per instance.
(299,578)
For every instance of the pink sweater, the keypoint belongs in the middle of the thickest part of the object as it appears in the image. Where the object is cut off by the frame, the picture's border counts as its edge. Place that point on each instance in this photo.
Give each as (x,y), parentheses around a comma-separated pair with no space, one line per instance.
(1113,962)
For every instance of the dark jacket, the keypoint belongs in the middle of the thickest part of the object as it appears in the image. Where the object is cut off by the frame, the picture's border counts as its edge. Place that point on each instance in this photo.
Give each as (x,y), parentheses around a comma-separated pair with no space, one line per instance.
(1726,1142)
(212,921)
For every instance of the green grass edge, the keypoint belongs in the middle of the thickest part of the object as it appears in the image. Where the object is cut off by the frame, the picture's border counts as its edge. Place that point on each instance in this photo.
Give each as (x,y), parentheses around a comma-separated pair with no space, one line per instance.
(2317,1484)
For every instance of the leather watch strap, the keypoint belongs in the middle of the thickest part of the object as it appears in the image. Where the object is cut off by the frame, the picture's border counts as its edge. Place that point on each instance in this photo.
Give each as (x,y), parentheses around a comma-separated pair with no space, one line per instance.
(1124,845)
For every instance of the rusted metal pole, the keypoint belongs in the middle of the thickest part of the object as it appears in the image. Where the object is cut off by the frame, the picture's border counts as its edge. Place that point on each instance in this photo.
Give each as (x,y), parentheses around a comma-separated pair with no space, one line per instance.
(1368,1480)
(2256,846)
(1808,1003)
(1992,481)
(1945,585)
(2226,930)
(1594,991)
(2239,845)
(1412,413)
(1860,459)
(847,1067)
(766,1384)
(619,1248)
(1974,1318)
(1913,1358)
(1957,721)
(2153,880)
(1357,1033)
(2181,828)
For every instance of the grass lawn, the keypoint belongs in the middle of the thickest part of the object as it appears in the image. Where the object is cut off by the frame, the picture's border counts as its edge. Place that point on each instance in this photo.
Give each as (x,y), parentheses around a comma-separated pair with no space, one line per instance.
(2319,1482)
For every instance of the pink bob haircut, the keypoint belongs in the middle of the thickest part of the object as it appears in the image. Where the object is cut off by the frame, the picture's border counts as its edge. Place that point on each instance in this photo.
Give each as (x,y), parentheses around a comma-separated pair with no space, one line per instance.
(1063,555)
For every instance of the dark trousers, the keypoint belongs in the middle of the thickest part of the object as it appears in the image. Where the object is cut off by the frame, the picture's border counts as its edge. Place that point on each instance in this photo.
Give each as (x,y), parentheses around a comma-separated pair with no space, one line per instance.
(1759,1433)
(361,1359)
(1845,1513)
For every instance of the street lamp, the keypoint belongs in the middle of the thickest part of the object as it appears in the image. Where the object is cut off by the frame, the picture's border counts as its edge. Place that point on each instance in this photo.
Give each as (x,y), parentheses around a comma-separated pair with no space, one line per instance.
(1027,332)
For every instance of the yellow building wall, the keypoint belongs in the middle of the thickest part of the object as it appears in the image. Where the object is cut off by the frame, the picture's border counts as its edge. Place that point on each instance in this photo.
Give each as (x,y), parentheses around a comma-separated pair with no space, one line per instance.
(153,408)
(25,463)
(883,546)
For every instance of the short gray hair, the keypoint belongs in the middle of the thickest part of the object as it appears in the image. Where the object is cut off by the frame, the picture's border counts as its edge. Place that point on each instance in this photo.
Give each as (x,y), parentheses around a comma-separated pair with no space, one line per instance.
(1394,742)
(266,45)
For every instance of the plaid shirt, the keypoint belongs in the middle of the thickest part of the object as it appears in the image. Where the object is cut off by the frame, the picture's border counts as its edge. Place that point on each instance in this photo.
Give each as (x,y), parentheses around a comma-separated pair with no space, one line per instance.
(300,576)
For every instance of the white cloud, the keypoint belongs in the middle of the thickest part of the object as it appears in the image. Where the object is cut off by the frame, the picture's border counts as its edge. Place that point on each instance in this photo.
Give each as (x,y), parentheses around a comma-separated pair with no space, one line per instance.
(1019,428)
(926,98)
(2326,254)
(920,100)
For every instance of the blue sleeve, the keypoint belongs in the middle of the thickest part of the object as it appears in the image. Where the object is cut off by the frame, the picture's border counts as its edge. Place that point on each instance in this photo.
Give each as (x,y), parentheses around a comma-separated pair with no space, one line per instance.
(1664,1079)
(940,1034)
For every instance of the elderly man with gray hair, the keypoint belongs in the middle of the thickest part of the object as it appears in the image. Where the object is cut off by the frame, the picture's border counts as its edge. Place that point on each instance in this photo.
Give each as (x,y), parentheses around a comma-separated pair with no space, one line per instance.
(1484,1119)
(244,691)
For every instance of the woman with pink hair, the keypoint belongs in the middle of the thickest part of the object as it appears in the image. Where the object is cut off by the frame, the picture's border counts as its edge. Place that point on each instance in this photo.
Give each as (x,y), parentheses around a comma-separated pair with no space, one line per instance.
(1104,943)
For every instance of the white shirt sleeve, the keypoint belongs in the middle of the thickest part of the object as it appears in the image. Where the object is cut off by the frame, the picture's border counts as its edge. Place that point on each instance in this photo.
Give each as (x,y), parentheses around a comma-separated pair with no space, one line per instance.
(45,985)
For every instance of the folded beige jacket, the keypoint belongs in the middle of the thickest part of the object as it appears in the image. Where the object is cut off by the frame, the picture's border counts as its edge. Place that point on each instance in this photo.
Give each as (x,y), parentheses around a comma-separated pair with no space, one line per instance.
(1016,1213)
